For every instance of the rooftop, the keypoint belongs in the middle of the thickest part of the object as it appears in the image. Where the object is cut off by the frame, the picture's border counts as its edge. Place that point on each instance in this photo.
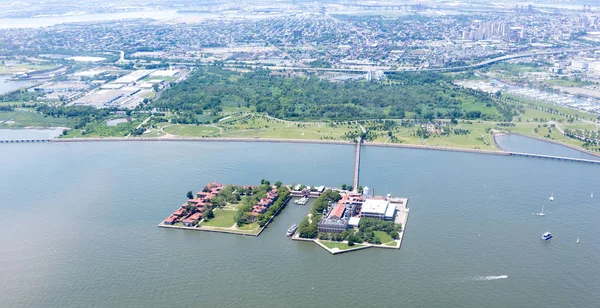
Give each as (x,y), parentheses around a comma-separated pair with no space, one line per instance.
(375,206)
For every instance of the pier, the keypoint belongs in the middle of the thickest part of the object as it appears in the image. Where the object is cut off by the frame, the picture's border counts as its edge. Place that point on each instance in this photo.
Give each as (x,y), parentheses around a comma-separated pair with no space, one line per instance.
(23,140)
(356,165)
(579,160)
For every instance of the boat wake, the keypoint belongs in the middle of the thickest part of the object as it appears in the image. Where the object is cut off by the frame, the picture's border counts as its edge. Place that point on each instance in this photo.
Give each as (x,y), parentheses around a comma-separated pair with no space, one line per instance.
(486,278)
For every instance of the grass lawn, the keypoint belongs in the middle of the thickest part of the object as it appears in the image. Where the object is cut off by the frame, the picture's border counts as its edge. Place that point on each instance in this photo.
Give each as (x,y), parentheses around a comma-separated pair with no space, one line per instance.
(257,126)
(562,82)
(249,227)
(339,245)
(191,130)
(472,141)
(564,110)
(154,133)
(23,67)
(383,237)
(29,118)
(222,219)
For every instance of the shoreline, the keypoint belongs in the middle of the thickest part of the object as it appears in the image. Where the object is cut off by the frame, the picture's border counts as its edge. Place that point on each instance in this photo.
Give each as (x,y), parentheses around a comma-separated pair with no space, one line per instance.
(501,152)
(275,140)
(401,217)
(228,230)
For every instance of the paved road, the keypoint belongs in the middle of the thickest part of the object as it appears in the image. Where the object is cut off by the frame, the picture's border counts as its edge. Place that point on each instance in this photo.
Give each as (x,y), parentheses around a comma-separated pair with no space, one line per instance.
(441,69)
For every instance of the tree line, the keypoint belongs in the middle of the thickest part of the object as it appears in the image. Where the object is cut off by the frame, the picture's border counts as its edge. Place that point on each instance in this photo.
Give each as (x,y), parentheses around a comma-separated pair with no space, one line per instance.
(427,95)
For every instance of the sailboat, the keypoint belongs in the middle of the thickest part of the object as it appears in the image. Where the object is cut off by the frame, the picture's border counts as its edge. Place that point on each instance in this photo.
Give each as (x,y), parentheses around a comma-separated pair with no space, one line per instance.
(577,240)
(592,196)
(552,197)
(542,213)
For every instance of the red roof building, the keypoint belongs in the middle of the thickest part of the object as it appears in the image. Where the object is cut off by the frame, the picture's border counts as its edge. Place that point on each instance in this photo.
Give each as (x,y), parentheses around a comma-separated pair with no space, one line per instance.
(337,212)
(170,220)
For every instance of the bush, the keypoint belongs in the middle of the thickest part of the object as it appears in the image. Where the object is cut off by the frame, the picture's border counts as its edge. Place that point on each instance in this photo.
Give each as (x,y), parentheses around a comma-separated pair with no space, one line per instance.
(350,242)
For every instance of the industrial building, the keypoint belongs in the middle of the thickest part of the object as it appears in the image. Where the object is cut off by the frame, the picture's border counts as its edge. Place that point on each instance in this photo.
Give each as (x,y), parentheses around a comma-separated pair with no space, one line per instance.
(133,76)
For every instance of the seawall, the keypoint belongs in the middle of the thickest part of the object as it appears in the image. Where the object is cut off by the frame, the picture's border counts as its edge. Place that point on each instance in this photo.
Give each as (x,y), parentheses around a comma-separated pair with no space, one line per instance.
(273,140)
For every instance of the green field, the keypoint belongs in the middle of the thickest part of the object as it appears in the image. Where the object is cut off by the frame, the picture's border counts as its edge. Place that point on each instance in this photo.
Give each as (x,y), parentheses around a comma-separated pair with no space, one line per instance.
(260,126)
(23,67)
(339,245)
(250,227)
(222,219)
(478,138)
(383,237)
(31,118)
(191,130)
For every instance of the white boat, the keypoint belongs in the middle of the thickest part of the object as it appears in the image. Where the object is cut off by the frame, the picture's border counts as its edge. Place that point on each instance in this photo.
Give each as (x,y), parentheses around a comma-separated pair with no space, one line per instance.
(552,197)
(292,230)
(592,196)
(542,212)
(546,236)
(302,201)
(577,240)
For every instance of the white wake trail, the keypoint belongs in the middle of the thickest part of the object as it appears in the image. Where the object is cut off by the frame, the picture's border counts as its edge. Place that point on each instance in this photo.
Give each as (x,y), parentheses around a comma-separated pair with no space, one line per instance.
(486,278)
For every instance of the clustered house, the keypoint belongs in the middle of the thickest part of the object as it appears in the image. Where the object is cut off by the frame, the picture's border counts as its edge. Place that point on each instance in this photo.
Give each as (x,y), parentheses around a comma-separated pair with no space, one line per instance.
(265,202)
(191,211)
(346,213)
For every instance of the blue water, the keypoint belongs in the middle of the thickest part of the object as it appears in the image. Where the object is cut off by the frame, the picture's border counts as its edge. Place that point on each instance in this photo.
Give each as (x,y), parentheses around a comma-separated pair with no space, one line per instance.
(7,86)
(8,134)
(517,143)
(79,220)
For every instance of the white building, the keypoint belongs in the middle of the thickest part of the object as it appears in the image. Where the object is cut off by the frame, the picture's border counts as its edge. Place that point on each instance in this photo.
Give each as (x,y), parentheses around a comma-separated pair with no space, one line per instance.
(381,209)
(579,65)
(366,192)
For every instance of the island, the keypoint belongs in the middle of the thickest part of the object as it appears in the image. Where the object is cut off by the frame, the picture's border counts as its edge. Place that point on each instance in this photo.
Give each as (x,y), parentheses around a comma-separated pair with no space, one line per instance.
(345,220)
(244,210)
(340,220)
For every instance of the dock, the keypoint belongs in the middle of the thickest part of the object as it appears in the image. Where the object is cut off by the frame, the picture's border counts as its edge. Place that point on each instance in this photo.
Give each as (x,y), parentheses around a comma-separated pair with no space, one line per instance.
(356,165)
(569,159)
(23,140)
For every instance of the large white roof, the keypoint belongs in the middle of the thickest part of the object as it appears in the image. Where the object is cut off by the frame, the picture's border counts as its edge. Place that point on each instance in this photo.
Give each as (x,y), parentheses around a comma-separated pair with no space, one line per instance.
(374,206)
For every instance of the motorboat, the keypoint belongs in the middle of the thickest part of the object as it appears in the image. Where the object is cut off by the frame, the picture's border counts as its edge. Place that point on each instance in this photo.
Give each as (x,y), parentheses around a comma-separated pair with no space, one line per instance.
(292,230)
(546,236)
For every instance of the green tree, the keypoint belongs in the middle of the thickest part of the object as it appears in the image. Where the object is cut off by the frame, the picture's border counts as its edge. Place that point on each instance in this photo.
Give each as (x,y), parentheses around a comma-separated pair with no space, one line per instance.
(210,214)
(344,186)
(190,195)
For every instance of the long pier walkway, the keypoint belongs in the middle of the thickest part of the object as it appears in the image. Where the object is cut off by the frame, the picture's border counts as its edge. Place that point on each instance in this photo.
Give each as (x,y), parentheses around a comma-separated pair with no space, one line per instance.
(356,165)
(579,160)
(23,140)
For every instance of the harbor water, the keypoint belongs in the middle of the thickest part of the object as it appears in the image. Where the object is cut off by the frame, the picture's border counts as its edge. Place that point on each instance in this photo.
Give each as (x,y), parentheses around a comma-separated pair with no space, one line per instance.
(79,229)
